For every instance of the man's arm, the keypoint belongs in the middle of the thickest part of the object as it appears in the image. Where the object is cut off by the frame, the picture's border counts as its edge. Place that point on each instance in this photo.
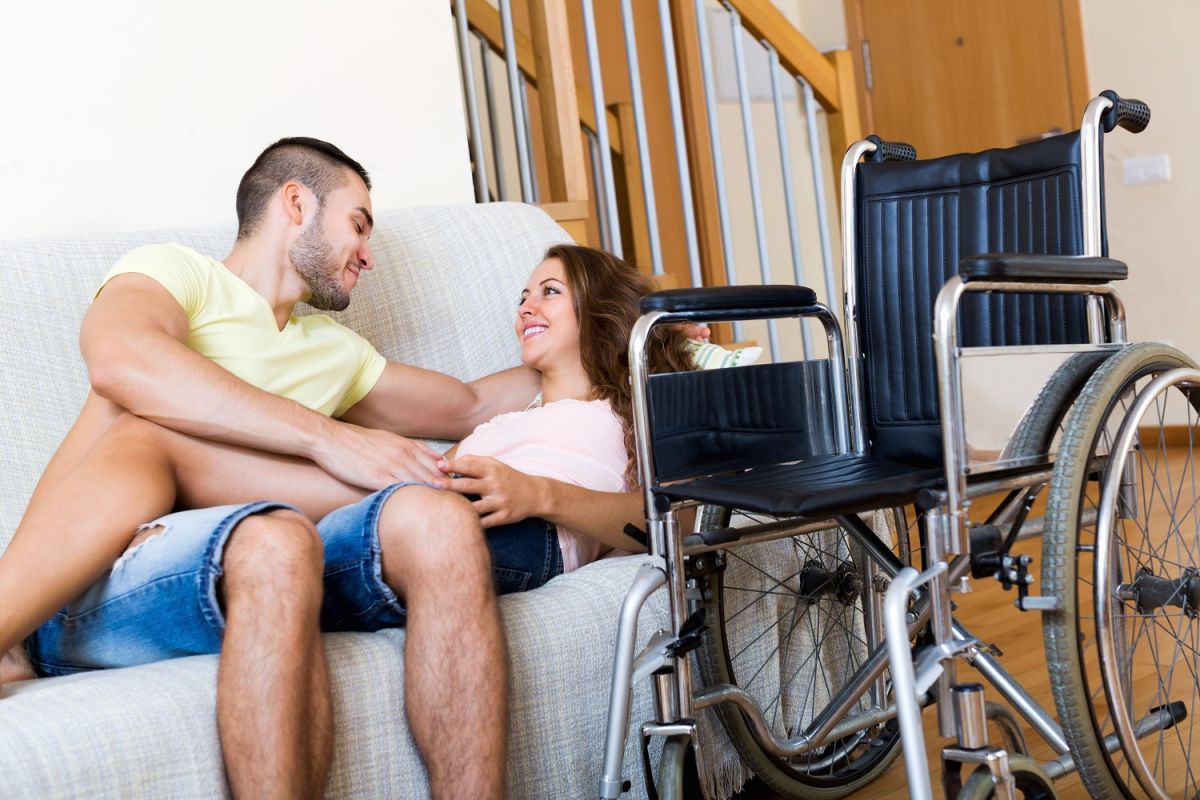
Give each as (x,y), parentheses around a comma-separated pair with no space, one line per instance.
(507,495)
(418,402)
(132,339)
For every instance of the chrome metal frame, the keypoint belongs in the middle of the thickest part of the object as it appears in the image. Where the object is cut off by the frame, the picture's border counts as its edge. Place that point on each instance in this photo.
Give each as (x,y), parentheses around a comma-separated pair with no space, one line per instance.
(472,101)
(717,152)
(785,174)
(643,145)
(489,101)
(600,111)
(756,203)
(516,94)
(681,157)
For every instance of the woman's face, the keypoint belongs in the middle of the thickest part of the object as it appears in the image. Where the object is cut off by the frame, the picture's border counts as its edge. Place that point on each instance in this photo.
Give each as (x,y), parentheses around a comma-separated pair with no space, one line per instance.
(546,324)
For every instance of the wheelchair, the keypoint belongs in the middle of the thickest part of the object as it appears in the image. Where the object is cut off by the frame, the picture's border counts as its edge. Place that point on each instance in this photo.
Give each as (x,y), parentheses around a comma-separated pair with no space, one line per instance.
(821,487)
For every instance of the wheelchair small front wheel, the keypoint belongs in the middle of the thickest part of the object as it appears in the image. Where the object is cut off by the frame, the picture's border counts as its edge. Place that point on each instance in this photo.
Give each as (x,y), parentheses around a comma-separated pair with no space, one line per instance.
(677,778)
(1123,644)
(1032,782)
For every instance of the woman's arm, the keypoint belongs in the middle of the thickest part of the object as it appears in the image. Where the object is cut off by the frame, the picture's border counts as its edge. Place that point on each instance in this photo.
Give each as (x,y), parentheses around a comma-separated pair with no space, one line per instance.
(506,495)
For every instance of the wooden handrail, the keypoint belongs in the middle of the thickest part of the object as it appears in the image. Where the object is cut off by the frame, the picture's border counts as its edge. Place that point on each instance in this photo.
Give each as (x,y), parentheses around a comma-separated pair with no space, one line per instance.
(485,19)
(565,161)
(764,21)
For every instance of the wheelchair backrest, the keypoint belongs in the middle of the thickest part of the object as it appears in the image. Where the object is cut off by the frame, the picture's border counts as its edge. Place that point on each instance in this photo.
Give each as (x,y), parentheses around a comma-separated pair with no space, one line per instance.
(916,220)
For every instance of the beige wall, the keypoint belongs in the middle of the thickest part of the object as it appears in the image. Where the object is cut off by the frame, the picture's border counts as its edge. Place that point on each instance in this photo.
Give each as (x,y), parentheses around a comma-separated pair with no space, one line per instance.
(1149,52)
(137,114)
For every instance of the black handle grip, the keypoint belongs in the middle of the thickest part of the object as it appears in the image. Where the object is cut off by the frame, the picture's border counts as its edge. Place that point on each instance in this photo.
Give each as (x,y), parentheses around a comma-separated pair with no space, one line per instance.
(891,151)
(1132,115)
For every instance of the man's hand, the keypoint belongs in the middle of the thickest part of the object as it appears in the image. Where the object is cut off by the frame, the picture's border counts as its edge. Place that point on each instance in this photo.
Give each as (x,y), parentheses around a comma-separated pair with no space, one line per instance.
(696,331)
(505,495)
(374,459)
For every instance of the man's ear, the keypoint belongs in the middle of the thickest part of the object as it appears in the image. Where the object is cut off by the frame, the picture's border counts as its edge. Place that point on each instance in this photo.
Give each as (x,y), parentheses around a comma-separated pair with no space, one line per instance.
(296,200)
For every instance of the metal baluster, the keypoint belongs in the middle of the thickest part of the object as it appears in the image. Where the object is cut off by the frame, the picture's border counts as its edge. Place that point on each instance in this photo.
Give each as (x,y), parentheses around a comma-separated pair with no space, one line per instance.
(760,227)
(613,240)
(818,171)
(785,168)
(601,210)
(468,75)
(489,102)
(681,157)
(714,133)
(533,178)
(515,95)
(639,123)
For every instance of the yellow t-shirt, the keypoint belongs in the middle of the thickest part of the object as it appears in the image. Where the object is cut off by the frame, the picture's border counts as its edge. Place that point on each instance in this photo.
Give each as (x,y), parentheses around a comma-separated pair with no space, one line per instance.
(314,360)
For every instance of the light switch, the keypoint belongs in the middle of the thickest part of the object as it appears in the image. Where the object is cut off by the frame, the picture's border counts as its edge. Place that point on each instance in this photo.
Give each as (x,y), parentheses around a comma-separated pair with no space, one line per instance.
(1148,169)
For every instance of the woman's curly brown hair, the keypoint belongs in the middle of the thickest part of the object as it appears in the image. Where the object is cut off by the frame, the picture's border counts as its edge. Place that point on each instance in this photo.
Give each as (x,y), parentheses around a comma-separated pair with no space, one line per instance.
(605,292)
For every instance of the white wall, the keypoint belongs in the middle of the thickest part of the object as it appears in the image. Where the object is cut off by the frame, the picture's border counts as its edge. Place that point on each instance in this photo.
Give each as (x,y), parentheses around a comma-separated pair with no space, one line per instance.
(1149,52)
(129,114)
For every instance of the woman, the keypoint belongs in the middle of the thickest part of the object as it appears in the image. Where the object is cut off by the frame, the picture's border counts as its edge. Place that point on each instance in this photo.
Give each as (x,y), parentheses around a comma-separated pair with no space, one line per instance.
(573,322)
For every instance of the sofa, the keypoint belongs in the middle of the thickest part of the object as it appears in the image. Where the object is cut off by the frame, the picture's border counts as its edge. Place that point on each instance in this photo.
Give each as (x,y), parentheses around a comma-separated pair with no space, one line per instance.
(442,297)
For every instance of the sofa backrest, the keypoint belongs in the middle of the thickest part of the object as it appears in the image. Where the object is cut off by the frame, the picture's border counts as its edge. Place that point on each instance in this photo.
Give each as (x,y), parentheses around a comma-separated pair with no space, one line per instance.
(442,296)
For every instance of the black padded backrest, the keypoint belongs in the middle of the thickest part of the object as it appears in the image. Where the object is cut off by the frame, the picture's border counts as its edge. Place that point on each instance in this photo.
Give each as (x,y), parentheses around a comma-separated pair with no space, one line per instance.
(719,420)
(916,220)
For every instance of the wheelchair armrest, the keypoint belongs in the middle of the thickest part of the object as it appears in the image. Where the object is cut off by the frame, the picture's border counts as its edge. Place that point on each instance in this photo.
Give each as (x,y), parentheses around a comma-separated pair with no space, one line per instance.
(1029,268)
(732,302)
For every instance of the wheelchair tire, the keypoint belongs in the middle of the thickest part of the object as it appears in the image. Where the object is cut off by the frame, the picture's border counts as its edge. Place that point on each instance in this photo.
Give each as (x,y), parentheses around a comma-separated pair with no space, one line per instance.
(1035,432)
(1078,681)
(1032,782)
(677,779)
(830,772)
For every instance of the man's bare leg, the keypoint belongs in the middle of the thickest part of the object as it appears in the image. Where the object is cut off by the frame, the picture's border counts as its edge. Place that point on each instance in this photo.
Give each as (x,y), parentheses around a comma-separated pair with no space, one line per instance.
(456,669)
(273,707)
(83,516)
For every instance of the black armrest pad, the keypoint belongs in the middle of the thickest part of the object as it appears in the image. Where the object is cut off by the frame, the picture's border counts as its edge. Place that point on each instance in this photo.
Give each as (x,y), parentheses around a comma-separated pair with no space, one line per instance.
(1041,269)
(731,302)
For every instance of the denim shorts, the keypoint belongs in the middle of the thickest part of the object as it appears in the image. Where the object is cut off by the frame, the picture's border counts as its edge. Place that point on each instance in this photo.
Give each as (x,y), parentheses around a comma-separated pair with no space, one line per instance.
(159,600)
(525,555)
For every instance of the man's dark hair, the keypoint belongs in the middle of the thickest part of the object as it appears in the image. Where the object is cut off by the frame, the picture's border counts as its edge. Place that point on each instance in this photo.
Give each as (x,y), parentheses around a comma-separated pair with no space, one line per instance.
(316,164)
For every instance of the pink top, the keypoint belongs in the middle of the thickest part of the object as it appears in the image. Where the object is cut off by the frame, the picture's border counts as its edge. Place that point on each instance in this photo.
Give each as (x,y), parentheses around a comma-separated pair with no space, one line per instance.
(574,441)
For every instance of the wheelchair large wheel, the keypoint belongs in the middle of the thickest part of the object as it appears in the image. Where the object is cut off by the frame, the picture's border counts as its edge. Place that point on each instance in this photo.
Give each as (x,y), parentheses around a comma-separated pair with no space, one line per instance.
(789,624)
(1137,648)
(1032,782)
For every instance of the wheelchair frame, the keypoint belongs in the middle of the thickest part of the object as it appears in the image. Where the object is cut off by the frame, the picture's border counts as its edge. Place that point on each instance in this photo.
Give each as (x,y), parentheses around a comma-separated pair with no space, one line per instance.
(961,713)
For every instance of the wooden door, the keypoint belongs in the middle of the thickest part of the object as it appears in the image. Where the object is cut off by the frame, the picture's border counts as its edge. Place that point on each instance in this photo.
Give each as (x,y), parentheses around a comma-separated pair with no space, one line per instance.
(953,76)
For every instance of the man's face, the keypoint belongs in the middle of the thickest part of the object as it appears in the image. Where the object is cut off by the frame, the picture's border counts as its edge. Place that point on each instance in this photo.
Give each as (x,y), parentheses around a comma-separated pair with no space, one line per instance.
(334,249)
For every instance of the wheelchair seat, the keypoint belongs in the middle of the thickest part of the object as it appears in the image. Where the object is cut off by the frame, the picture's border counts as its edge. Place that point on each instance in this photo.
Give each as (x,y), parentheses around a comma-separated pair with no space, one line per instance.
(820,485)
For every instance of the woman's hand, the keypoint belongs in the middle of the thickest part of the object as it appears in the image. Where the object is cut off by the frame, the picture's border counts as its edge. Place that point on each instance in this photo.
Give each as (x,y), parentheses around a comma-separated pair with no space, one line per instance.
(505,495)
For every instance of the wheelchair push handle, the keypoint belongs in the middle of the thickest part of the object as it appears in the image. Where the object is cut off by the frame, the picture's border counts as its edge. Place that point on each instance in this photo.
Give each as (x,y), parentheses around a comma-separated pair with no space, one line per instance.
(1132,115)
(891,151)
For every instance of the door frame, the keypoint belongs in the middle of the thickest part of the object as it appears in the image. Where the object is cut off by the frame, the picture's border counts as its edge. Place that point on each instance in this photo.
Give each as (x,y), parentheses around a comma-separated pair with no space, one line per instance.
(1077,77)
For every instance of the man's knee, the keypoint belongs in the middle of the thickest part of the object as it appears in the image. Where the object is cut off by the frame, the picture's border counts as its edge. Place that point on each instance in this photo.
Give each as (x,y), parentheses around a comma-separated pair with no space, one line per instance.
(277,549)
(431,532)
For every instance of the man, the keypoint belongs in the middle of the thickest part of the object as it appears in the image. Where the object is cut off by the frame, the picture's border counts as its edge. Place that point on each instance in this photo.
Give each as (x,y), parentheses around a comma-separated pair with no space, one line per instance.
(208,394)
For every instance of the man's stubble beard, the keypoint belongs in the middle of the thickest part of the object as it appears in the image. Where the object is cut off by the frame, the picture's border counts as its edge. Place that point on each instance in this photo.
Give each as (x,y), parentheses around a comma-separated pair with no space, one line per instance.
(312,257)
